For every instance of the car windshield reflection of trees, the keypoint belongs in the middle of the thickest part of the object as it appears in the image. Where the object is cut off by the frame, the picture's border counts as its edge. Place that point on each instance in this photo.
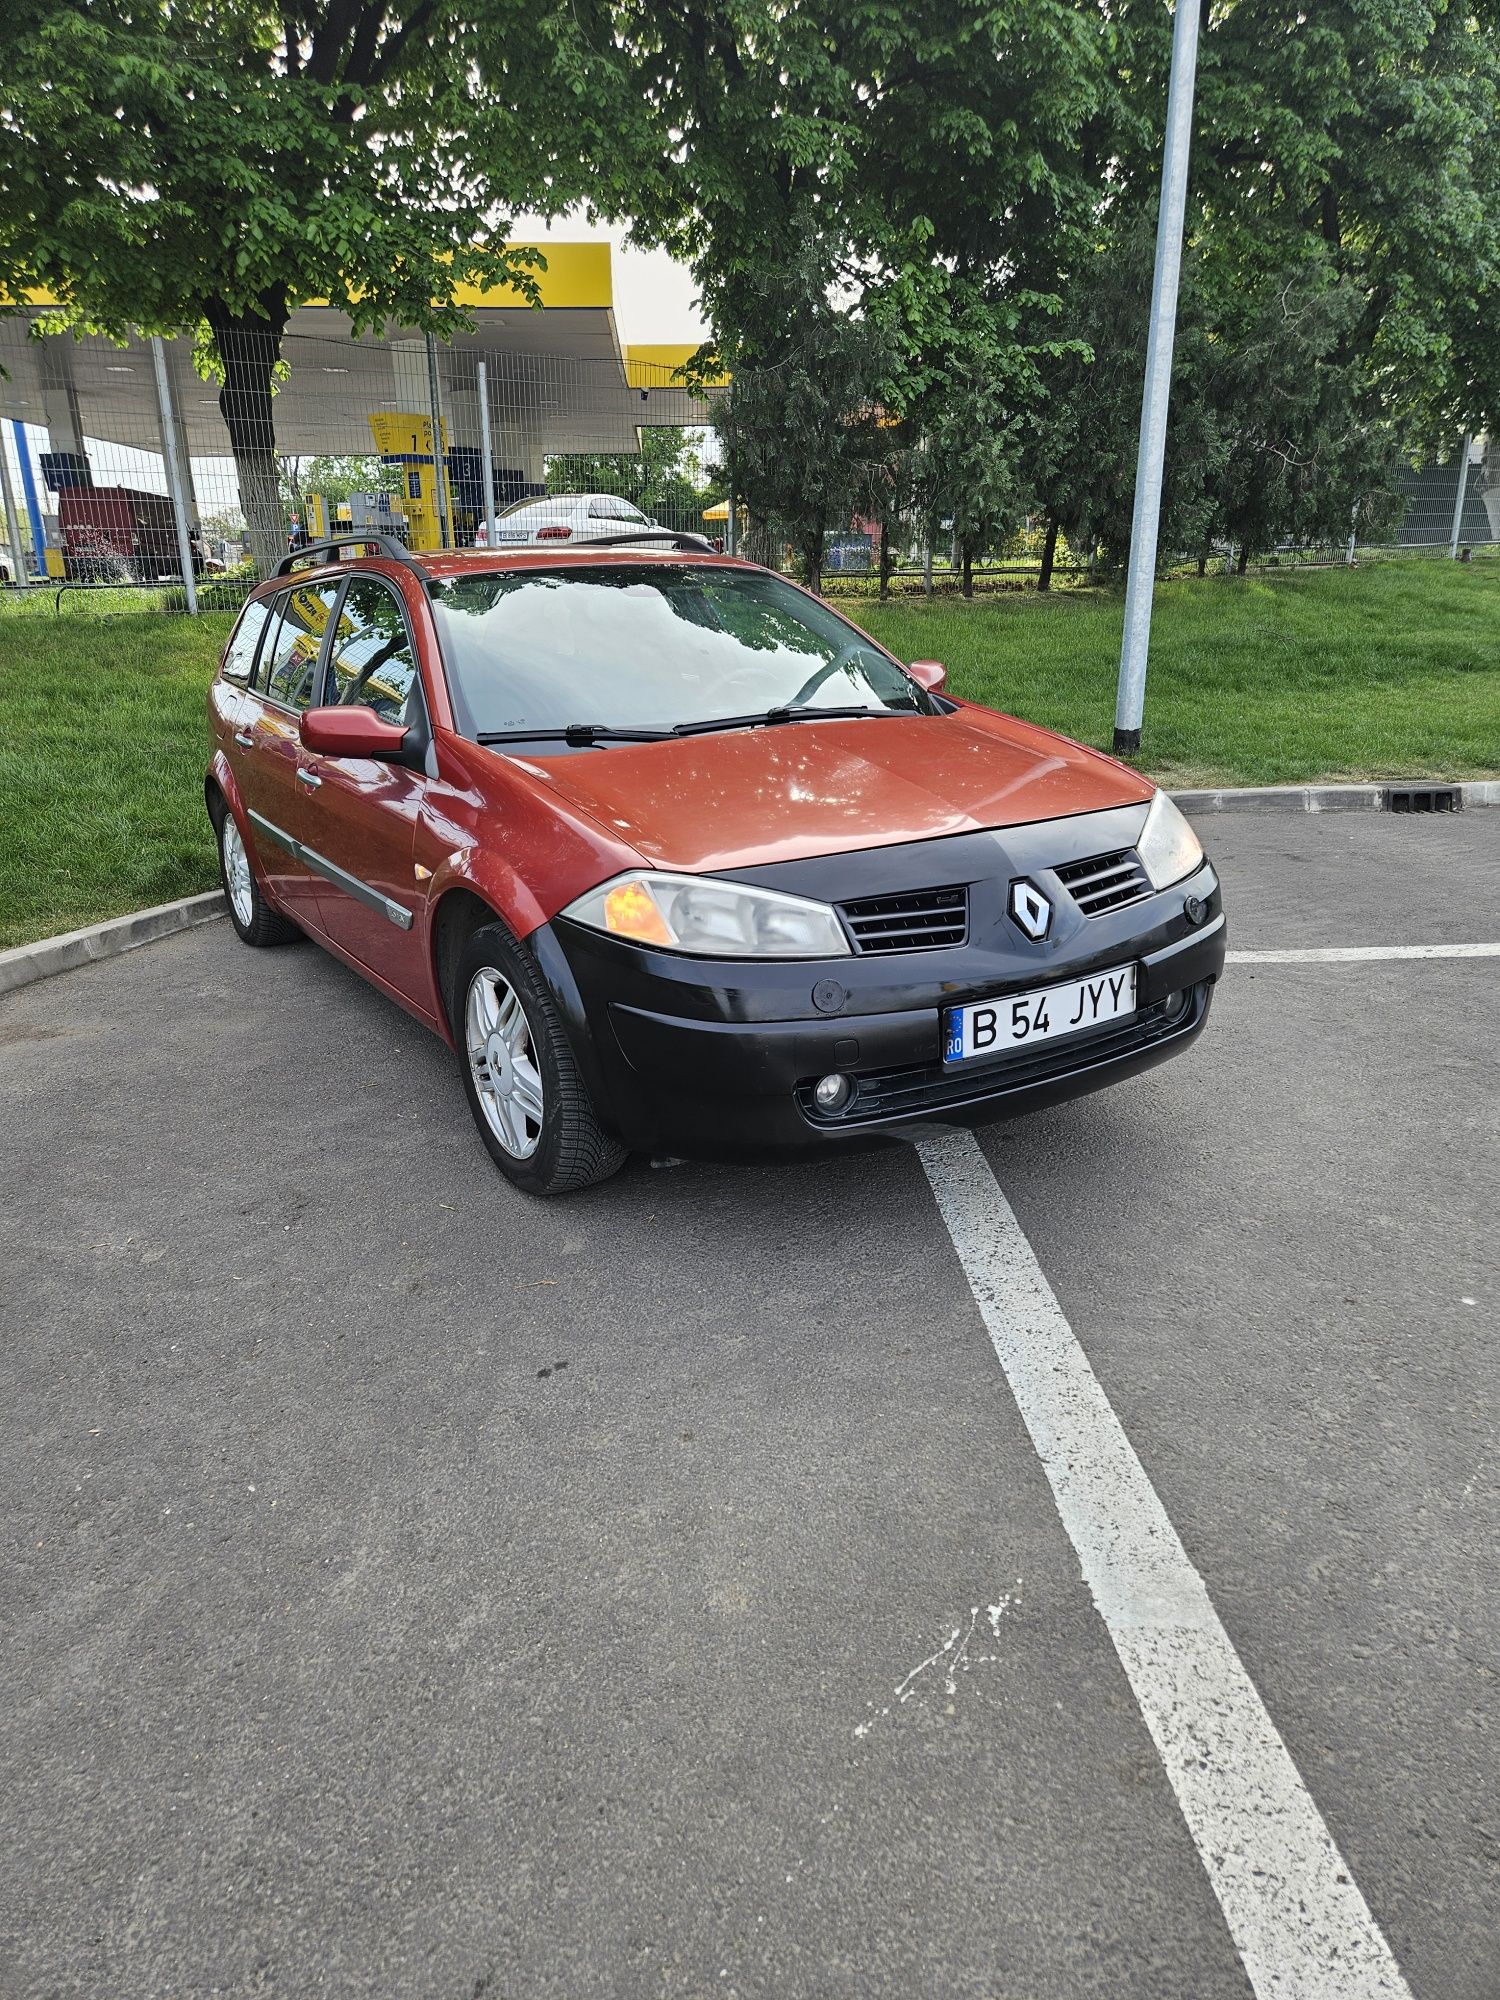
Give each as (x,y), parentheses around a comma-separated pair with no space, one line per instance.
(649,647)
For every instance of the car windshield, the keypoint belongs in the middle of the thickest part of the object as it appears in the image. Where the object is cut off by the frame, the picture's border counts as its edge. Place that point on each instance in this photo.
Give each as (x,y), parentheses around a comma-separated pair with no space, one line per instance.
(651,646)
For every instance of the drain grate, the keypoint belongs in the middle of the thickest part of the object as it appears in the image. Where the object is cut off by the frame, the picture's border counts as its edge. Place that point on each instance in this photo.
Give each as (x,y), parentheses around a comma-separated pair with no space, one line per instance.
(1424,798)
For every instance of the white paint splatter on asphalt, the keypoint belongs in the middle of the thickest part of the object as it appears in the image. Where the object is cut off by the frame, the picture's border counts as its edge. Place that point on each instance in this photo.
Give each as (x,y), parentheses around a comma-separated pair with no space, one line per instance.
(955,1656)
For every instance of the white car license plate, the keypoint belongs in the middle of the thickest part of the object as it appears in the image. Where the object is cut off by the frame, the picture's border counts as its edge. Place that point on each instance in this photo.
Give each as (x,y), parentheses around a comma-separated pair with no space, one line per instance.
(993,1027)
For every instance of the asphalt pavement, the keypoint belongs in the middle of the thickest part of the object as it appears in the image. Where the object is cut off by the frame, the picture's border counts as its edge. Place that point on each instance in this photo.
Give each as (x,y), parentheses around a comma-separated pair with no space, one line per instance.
(411,1589)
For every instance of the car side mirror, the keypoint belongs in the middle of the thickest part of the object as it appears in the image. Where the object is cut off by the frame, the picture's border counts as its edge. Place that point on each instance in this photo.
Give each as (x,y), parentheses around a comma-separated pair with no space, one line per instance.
(351,732)
(930,674)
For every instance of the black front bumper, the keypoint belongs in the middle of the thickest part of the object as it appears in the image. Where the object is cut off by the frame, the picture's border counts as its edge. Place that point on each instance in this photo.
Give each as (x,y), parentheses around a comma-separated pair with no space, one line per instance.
(715,1059)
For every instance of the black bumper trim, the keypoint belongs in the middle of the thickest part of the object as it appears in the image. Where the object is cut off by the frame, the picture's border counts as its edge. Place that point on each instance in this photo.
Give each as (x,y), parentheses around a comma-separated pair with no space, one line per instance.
(928,1088)
(716,1060)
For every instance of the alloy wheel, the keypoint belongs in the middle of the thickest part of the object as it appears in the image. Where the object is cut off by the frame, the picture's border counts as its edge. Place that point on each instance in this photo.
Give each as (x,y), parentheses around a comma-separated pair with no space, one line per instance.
(502,1062)
(237,875)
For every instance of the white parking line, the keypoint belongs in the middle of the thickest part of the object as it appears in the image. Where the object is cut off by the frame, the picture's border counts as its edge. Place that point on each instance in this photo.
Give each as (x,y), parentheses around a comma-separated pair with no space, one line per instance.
(1302,1928)
(1352,954)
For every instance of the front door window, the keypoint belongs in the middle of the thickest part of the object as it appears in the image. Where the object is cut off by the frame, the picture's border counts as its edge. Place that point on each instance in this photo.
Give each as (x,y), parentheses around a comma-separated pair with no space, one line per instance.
(372,661)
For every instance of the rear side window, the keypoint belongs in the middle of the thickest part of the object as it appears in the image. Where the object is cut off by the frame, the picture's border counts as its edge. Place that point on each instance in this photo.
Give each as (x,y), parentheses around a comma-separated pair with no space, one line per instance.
(289,657)
(239,660)
(372,662)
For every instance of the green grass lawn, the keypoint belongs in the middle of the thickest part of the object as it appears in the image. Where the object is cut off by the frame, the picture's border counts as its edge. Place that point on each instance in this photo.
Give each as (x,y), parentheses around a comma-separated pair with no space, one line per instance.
(103,744)
(1385,671)
(1389,670)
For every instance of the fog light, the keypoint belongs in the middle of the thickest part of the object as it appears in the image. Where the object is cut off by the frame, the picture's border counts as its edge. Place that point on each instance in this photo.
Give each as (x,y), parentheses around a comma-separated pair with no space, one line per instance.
(831,1093)
(1174,1004)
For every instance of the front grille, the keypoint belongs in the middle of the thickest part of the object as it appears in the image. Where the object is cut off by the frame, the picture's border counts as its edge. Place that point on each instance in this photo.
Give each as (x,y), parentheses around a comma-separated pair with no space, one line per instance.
(1107,882)
(888,1093)
(923,920)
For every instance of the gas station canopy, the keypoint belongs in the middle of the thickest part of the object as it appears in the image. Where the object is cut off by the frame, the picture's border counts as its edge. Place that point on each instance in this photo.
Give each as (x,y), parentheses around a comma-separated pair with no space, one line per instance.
(559,378)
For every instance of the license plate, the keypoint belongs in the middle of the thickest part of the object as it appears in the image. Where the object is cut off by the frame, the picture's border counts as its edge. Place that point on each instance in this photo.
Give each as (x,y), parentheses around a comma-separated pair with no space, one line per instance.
(994,1027)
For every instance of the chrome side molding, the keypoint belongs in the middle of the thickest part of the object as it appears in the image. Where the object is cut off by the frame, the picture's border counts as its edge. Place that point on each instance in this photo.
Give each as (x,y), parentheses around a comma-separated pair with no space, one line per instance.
(393,912)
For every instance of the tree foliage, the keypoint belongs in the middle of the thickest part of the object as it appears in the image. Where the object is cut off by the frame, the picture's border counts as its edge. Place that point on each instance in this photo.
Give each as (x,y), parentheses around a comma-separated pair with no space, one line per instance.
(862,191)
(209,165)
(1341,275)
(945,163)
(922,233)
(801,433)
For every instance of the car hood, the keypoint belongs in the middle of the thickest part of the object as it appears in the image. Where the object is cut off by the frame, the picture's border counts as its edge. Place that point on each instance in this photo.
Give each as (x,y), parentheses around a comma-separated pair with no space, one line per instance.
(747,797)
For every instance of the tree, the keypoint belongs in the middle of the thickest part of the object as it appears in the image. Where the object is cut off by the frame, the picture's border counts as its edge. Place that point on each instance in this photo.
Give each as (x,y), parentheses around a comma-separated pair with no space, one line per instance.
(1339,279)
(1361,274)
(1302,443)
(802,424)
(881,167)
(1360,132)
(1080,449)
(887,137)
(207,165)
(975,416)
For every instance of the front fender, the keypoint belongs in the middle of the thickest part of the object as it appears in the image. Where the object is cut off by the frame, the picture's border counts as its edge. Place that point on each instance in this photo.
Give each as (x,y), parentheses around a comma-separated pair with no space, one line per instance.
(481,872)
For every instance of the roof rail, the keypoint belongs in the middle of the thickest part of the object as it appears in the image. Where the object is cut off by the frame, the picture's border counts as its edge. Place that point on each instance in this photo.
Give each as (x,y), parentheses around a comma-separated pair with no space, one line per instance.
(314,554)
(680,538)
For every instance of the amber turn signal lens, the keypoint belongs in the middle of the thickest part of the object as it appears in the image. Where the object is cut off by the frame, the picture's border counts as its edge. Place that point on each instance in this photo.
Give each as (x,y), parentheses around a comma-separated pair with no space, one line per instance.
(629,911)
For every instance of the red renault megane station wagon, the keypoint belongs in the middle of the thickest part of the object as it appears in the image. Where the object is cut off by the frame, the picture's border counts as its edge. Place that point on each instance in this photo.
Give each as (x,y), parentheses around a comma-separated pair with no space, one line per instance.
(680,861)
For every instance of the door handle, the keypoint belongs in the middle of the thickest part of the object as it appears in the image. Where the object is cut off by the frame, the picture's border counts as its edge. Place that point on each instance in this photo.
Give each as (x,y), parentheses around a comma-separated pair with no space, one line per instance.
(245,740)
(308,778)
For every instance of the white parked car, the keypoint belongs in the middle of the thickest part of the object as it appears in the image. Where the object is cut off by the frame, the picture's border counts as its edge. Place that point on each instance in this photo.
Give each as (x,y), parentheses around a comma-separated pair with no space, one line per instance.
(563,517)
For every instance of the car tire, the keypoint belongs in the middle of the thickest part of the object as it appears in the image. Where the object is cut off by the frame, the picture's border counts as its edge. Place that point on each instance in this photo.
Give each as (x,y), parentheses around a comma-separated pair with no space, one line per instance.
(525,1092)
(254,920)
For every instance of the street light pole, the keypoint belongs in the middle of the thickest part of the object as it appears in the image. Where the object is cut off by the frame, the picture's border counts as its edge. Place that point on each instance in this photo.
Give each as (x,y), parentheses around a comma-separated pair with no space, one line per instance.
(1141,575)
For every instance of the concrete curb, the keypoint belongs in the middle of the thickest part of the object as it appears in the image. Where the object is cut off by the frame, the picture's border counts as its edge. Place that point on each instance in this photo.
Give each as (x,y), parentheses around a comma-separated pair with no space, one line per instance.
(1318,798)
(28,962)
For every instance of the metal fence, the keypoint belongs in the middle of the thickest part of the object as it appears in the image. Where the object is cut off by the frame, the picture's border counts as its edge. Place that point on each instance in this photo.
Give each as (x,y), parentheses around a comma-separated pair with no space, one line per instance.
(133,479)
(127,470)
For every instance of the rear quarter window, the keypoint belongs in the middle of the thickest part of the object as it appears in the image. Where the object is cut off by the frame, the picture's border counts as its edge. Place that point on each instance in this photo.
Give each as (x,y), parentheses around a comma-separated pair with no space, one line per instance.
(244,644)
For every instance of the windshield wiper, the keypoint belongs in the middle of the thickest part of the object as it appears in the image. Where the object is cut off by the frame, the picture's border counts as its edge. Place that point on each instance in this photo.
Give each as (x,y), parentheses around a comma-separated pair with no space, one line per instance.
(766,716)
(579,734)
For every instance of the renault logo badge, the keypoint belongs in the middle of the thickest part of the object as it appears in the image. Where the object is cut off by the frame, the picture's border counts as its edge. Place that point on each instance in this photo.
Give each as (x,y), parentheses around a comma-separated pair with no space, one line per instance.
(1030,909)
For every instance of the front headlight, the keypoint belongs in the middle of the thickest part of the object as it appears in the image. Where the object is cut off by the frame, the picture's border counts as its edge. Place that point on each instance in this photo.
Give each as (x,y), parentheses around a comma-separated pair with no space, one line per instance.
(1168,846)
(711,918)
